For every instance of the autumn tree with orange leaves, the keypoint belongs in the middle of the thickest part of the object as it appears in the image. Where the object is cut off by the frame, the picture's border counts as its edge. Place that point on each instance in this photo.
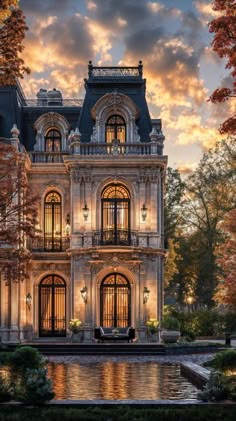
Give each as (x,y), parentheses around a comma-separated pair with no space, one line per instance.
(224,44)
(12,34)
(226,293)
(18,213)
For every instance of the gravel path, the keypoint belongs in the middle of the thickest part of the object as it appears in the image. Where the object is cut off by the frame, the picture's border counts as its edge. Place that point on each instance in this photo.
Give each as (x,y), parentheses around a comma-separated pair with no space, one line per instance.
(195,358)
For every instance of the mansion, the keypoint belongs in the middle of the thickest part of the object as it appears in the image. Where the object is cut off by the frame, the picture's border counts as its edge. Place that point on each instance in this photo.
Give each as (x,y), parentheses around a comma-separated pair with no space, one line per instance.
(98,168)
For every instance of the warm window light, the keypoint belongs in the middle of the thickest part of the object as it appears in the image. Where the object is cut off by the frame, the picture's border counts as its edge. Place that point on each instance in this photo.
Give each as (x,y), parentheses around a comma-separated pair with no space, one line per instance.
(84,294)
(144,212)
(67,227)
(146,294)
(85,212)
(28,300)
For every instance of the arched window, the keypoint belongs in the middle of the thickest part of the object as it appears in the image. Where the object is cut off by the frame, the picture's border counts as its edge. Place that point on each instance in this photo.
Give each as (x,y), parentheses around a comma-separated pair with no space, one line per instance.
(115,301)
(52,306)
(115,215)
(115,129)
(52,222)
(53,141)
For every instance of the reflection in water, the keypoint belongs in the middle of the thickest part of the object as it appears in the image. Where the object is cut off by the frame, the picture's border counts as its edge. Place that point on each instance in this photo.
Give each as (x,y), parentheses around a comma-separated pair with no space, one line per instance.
(119,380)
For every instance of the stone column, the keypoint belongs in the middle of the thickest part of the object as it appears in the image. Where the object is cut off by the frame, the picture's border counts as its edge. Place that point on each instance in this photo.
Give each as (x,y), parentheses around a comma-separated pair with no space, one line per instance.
(4,310)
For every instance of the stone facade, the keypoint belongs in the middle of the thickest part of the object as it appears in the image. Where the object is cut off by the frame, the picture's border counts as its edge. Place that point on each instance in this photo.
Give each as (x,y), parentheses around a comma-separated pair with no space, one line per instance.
(98,250)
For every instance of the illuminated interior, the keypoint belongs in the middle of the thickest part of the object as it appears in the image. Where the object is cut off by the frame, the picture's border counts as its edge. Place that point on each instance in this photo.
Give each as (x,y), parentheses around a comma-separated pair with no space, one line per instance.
(115,301)
(115,129)
(52,306)
(115,214)
(52,221)
(53,141)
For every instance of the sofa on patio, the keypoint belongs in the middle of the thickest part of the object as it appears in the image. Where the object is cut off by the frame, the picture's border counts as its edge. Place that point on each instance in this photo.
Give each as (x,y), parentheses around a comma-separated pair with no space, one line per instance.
(102,334)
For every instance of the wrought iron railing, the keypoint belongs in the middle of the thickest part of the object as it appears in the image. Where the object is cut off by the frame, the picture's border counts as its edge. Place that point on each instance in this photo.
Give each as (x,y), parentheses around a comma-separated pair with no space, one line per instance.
(47,157)
(115,237)
(54,102)
(114,71)
(42,244)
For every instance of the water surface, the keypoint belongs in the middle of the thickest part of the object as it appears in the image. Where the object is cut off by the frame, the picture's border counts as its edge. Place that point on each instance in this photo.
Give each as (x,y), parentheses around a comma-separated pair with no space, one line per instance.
(119,380)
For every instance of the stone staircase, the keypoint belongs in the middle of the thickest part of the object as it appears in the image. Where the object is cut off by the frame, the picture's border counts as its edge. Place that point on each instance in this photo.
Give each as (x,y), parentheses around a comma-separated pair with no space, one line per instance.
(61,348)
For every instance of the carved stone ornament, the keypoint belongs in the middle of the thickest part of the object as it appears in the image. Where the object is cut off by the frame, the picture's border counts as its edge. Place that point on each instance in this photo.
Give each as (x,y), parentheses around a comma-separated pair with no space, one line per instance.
(63,268)
(115,100)
(114,261)
(93,136)
(148,175)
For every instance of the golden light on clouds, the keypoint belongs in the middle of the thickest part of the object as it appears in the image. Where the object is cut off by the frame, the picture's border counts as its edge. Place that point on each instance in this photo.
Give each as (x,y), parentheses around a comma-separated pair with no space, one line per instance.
(173,43)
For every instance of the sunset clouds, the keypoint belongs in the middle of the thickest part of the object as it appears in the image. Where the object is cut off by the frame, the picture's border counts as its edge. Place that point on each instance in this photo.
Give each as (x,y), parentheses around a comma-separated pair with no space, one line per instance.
(170,37)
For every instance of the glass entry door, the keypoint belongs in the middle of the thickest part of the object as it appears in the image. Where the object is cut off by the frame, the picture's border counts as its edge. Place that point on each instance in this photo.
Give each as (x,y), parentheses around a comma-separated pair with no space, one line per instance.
(115,215)
(52,306)
(115,301)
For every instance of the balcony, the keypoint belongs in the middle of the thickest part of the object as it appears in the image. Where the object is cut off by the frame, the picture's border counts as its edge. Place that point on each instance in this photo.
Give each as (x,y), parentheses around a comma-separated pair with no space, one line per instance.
(41,244)
(47,157)
(115,238)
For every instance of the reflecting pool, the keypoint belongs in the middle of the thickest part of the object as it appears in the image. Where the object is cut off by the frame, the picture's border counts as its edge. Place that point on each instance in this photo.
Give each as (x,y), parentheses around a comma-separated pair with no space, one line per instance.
(119,380)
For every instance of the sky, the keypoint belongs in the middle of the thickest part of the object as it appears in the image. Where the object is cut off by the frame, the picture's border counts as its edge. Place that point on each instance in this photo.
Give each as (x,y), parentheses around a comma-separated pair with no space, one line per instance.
(171,38)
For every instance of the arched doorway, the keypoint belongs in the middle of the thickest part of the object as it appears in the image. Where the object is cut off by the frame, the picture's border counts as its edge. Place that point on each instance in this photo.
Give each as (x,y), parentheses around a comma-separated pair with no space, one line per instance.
(115,301)
(52,306)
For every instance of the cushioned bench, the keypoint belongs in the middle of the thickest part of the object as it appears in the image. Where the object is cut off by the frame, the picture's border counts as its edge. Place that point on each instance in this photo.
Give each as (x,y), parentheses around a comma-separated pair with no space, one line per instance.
(105,334)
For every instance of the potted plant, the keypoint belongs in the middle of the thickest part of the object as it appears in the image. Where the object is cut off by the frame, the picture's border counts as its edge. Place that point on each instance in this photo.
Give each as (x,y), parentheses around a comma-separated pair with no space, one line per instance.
(75,328)
(170,329)
(152,329)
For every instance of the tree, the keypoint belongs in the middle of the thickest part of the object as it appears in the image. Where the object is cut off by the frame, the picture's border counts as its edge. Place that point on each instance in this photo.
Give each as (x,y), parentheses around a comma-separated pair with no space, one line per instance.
(172,210)
(6,9)
(18,212)
(224,44)
(226,291)
(12,33)
(210,194)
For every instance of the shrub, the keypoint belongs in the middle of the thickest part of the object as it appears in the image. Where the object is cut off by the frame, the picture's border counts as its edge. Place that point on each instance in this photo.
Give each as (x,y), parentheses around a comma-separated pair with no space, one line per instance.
(215,389)
(225,360)
(36,389)
(170,323)
(188,335)
(24,358)
(5,393)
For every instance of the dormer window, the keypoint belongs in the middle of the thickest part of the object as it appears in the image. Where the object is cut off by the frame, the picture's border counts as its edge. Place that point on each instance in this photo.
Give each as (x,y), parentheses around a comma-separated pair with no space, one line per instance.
(115,129)
(53,141)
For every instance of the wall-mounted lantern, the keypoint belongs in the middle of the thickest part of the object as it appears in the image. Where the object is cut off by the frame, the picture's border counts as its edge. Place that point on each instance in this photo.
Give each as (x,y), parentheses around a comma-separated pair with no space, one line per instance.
(28,300)
(84,294)
(146,294)
(67,226)
(85,212)
(144,212)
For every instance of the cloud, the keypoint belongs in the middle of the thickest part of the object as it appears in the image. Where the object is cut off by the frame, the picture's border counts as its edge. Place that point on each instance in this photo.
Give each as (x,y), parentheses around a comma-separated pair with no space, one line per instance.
(185,168)
(172,42)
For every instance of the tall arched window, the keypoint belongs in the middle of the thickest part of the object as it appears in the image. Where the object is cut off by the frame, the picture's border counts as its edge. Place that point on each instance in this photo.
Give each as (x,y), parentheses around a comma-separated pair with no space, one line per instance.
(53,141)
(52,222)
(115,129)
(115,215)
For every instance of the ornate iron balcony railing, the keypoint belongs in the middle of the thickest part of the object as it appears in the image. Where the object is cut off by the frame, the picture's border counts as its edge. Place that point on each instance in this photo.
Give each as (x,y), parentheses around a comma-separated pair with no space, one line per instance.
(53,102)
(47,157)
(112,237)
(48,244)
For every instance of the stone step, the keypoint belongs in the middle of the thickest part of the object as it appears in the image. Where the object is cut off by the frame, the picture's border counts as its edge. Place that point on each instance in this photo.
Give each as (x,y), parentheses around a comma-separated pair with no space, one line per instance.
(97,349)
